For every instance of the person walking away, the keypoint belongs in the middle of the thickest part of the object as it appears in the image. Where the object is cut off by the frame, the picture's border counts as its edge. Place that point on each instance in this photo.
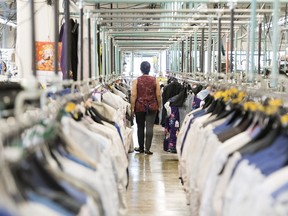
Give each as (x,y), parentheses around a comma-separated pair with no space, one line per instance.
(145,102)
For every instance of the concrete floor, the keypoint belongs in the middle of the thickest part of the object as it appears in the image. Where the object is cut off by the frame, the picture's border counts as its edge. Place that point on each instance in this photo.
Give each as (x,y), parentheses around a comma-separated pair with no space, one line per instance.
(154,187)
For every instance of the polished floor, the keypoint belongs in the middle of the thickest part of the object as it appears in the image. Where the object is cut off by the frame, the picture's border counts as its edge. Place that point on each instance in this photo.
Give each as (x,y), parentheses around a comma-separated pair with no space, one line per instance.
(154,187)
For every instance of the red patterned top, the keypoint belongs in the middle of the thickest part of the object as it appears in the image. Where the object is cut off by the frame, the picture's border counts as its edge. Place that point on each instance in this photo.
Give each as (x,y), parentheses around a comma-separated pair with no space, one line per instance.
(146,94)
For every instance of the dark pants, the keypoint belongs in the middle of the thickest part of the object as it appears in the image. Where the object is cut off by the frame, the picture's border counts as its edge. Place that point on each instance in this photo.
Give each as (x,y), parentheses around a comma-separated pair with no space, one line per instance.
(141,118)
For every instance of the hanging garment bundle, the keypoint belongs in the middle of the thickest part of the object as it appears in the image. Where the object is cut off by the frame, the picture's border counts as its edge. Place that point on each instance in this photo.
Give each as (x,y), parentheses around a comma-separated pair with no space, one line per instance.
(176,109)
(230,152)
(75,164)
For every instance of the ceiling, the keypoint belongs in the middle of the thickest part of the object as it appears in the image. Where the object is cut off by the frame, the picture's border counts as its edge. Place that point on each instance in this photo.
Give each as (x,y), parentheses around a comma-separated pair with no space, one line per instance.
(157,26)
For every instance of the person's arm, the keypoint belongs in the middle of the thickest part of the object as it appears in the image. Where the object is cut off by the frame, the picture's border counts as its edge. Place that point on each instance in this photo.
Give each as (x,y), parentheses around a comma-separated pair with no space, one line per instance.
(133,95)
(158,94)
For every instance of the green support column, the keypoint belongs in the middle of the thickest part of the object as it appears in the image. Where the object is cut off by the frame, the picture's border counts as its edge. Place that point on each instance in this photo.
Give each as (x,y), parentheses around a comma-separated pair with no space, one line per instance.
(132,64)
(107,54)
(195,51)
(174,58)
(103,56)
(236,47)
(251,73)
(275,42)
(95,43)
(265,47)
(186,56)
(120,62)
(178,57)
(213,55)
(116,57)
(247,50)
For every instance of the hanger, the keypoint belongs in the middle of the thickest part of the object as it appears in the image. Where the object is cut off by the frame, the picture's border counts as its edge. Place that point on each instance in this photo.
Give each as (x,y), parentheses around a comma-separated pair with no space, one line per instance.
(75,27)
(8,92)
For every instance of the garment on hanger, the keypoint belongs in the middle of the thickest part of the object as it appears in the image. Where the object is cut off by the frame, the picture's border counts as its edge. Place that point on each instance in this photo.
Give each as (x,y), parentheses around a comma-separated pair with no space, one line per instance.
(74,49)
(169,91)
(223,175)
(177,107)
(74,163)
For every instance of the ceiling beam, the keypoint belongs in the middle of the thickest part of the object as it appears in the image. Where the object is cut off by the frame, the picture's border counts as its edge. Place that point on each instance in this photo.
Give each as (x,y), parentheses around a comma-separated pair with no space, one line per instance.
(192,10)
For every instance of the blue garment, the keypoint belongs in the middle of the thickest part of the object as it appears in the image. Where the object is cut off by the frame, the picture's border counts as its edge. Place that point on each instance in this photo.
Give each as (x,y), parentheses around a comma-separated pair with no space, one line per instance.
(63,152)
(4,212)
(222,127)
(280,190)
(203,94)
(119,131)
(225,125)
(73,192)
(195,115)
(196,103)
(256,130)
(73,158)
(173,128)
(272,158)
(48,203)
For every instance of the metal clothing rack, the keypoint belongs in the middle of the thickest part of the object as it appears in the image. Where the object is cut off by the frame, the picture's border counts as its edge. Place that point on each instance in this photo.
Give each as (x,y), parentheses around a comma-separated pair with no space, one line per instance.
(185,29)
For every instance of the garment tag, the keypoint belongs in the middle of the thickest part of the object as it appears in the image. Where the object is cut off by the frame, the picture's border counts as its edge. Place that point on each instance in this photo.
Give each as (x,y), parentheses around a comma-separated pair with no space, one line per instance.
(177,125)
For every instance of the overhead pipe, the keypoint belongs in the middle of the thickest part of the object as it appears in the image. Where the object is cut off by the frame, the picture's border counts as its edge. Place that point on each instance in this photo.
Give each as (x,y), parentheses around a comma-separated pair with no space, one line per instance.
(170,21)
(148,41)
(154,34)
(139,46)
(158,27)
(148,47)
(242,16)
(193,10)
(143,33)
(154,38)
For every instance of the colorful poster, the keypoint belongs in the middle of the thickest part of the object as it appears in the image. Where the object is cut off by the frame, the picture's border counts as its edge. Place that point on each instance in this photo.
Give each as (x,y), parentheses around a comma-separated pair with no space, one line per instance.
(45,56)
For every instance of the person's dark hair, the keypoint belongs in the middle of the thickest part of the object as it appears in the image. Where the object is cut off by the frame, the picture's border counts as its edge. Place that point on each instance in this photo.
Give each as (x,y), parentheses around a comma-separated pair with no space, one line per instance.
(145,67)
